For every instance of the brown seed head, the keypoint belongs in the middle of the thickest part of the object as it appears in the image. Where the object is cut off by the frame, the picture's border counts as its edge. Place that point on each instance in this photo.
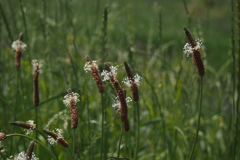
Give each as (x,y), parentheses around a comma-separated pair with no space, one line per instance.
(20,38)
(196,53)
(190,37)
(23,125)
(134,86)
(30,150)
(96,75)
(57,137)
(74,113)
(2,136)
(126,126)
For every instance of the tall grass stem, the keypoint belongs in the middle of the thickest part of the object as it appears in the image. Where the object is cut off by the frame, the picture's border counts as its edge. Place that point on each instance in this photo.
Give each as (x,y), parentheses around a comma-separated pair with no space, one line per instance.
(138,130)
(199,117)
(103,127)
(119,144)
(22,135)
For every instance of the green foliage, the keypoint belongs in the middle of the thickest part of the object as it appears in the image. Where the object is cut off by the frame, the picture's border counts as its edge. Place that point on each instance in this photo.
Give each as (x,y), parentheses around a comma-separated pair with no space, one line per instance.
(149,36)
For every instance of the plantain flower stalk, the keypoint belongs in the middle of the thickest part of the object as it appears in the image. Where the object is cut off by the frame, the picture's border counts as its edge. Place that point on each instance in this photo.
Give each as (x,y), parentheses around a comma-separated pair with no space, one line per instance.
(70,101)
(93,68)
(18,46)
(29,125)
(193,47)
(54,138)
(110,74)
(37,68)
(29,153)
(132,81)
(2,136)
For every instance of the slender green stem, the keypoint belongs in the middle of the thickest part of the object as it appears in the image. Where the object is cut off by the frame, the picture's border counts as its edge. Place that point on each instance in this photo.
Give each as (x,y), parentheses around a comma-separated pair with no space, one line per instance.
(24,19)
(22,135)
(70,153)
(126,144)
(102,140)
(6,22)
(119,145)
(74,139)
(199,118)
(138,128)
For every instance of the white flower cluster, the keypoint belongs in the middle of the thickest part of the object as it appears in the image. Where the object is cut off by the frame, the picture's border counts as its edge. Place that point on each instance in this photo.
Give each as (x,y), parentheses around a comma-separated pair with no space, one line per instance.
(187,49)
(18,45)
(22,156)
(106,74)
(69,97)
(29,131)
(129,82)
(39,64)
(51,140)
(88,66)
(117,103)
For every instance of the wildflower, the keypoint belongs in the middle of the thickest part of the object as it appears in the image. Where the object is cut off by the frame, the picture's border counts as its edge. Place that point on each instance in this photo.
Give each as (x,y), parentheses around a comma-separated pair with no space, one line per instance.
(132,81)
(2,136)
(93,68)
(193,47)
(188,49)
(22,156)
(29,153)
(70,101)
(54,138)
(117,103)
(29,126)
(18,46)
(37,68)
(108,73)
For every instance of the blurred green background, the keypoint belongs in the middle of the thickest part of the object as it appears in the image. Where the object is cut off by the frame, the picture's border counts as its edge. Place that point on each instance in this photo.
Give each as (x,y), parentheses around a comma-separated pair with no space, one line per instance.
(149,35)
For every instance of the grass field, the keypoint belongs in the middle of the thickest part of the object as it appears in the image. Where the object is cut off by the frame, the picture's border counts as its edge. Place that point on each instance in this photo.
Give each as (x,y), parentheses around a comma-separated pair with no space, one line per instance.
(179,115)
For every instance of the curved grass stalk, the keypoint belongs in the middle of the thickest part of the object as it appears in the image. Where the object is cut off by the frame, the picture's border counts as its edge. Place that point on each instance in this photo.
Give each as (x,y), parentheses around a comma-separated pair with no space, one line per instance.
(199,117)
(22,135)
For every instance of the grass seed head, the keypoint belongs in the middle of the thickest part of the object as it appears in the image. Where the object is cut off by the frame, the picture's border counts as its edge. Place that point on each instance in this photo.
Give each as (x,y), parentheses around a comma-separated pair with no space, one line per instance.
(30,150)
(193,47)
(93,68)
(2,136)
(126,126)
(56,138)
(18,46)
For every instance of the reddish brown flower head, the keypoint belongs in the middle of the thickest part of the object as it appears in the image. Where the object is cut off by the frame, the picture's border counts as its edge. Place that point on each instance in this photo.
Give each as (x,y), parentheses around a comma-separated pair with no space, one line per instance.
(37,68)
(110,74)
(56,138)
(71,100)
(30,126)
(126,126)
(93,68)
(2,136)
(30,150)
(18,46)
(193,47)
(132,81)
